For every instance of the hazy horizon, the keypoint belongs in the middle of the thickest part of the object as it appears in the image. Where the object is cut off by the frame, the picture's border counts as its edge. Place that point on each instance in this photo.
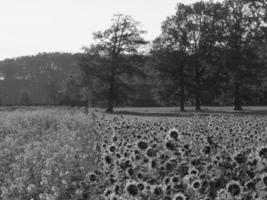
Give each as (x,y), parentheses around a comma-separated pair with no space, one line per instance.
(30,27)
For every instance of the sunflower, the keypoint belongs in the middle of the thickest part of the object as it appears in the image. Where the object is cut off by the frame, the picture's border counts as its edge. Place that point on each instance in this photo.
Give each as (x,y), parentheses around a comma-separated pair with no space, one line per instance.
(117,189)
(170,146)
(153,163)
(196,184)
(141,186)
(114,138)
(250,185)
(264,178)
(108,159)
(167,198)
(170,165)
(239,158)
(206,150)
(130,171)
(142,145)
(175,179)
(180,196)
(222,195)
(234,188)
(151,152)
(193,171)
(262,152)
(174,134)
(158,191)
(166,180)
(92,177)
(32,189)
(108,192)
(132,189)
(112,149)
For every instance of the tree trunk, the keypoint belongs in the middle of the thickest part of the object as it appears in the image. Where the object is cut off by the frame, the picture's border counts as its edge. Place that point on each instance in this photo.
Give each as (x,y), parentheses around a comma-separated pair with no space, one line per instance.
(110,100)
(110,107)
(182,89)
(237,97)
(54,100)
(197,87)
(111,94)
(237,77)
(197,108)
(88,101)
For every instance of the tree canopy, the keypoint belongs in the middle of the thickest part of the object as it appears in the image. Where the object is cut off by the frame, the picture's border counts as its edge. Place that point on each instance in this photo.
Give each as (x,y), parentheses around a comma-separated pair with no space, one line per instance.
(113,60)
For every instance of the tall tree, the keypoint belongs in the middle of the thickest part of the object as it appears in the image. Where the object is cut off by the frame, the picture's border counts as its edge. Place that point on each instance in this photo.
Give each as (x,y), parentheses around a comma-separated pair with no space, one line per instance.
(191,33)
(242,21)
(201,19)
(210,49)
(170,74)
(170,51)
(25,98)
(114,58)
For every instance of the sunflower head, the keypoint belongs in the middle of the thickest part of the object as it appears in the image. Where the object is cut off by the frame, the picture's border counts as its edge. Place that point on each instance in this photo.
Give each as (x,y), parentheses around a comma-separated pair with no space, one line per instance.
(132,189)
(174,134)
(158,191)
(234,188)
(262,152)
(264,179)
(142,145)
(196,184)
(239,158)
(180,196)
(250,185)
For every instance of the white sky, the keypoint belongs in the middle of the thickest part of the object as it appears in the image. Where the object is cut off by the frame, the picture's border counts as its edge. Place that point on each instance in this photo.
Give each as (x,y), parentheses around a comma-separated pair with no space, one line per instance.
(28,27)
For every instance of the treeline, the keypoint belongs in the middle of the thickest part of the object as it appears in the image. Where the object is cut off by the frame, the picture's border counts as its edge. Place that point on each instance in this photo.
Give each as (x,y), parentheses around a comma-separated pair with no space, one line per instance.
(213,52)
(53,79)
(208,53)
(35,80)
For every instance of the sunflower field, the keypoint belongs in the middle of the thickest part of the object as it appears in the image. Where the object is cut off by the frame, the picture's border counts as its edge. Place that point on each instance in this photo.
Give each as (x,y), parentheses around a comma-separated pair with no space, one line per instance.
(70,155)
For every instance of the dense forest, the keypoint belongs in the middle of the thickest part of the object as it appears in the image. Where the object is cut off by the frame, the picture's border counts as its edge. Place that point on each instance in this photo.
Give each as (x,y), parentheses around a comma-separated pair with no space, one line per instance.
(52,79)
(35,79)
(207,54)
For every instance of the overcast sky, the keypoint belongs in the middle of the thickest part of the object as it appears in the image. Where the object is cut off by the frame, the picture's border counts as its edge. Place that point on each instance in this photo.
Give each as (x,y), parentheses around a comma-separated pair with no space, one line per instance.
(32,26)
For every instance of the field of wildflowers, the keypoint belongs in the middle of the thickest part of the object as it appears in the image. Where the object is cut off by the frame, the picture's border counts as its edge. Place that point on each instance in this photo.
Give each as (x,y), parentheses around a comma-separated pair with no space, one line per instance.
(61,155)
(46,154)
